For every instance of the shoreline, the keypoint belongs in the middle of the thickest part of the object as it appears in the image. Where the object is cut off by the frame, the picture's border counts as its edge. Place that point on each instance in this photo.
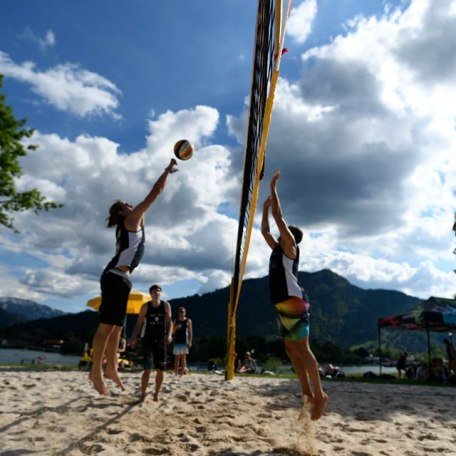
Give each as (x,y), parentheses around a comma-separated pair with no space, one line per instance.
(57,412)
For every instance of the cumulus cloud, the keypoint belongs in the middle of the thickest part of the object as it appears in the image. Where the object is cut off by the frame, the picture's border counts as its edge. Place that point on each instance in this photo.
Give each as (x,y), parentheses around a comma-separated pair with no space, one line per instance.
(430,33)
(300,21)
(214,281)
(423,279)
(365,140)
(67,87)
(187,237)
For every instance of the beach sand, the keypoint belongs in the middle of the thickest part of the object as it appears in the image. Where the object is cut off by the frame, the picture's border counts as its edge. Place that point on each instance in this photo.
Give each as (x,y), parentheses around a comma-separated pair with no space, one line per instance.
(58,413)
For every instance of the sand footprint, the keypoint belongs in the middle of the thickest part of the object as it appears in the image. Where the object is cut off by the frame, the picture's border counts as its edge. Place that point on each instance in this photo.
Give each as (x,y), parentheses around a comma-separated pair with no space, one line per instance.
(135,437)
(114,431)
(155,450)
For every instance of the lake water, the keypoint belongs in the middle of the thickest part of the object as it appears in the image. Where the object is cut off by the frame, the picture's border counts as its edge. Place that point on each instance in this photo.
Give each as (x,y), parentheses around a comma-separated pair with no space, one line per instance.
(354,370)
(359,370)
(20,356)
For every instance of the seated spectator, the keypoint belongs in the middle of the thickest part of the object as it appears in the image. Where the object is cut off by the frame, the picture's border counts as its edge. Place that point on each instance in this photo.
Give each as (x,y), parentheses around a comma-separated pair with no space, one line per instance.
(410,372)
(438,370)
(249,365)
(120,351)
(330,370)
(422,372)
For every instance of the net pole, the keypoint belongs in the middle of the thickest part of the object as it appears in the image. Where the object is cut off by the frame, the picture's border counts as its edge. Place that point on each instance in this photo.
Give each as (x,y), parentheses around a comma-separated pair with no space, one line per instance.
(235,294)
(230,338)
(234,300)
(232,306)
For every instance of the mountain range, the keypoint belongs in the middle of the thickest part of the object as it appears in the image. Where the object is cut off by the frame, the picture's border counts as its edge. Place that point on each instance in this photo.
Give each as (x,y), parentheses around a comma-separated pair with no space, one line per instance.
(15,310)
(340,312)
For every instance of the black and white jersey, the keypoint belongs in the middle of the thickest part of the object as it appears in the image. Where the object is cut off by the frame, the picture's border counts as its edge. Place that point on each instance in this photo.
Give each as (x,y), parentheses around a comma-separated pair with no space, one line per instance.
(283,276)
(129,248)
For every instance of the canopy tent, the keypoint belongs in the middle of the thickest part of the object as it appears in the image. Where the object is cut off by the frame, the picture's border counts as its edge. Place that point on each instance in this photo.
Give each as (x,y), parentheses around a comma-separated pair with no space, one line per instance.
(135,300)
(434,314)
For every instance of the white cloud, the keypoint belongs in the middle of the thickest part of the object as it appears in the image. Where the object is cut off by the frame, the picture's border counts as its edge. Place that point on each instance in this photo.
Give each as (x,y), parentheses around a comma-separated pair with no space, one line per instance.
(187,239)
(44,43)
(214,281)
(422,280)
(49,40)
(365,141)
(67,87)
(52,282)
(11,287)
(300,21)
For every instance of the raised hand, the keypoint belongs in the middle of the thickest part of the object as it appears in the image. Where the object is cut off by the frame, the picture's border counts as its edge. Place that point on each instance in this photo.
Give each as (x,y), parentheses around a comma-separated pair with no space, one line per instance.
(172,167)
(275,178)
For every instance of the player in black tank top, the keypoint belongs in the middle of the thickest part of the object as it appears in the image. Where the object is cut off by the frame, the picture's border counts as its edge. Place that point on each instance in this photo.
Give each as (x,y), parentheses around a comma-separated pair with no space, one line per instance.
(287,296)
(115,281)
(155,315)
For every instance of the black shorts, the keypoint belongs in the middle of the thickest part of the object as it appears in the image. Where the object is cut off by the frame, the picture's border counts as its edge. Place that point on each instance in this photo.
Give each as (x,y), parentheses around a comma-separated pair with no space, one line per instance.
(156,351)
(115,290)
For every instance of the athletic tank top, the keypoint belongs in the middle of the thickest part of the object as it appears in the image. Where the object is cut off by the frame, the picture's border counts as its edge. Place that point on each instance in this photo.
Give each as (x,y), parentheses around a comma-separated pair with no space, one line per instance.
(180,336)
(129,248)
(283,276)
(155,322)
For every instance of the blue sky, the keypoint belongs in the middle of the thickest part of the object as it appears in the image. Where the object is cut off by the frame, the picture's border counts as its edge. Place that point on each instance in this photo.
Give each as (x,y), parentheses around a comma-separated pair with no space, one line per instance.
(363,132)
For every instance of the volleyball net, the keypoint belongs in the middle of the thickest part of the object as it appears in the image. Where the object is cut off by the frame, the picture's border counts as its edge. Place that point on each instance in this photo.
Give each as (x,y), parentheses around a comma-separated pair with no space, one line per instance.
(269,39)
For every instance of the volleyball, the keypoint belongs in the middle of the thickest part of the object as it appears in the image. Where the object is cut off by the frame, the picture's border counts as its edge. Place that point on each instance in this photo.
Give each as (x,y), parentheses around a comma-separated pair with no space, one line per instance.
(183,149)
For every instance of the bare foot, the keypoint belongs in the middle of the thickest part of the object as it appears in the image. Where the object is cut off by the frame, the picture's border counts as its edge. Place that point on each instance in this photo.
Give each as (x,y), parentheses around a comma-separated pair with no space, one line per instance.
(308,402)
(114,376)
(99,384)
(143,396)
(319,407)
(155,397)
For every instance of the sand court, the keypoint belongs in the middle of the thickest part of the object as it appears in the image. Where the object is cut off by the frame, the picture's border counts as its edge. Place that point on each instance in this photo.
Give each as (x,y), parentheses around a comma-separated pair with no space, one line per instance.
(58,413)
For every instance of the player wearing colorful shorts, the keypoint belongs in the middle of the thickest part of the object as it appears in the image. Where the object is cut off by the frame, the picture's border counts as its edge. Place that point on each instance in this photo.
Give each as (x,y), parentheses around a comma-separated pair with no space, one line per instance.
(290,302)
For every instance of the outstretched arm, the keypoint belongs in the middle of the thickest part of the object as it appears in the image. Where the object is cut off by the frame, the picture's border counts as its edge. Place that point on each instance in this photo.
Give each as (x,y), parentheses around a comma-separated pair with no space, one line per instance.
(265,230)
(135,219)
(287,240)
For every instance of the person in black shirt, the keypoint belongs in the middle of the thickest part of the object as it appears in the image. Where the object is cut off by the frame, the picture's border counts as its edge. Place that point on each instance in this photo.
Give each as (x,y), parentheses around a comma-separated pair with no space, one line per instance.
(156,314)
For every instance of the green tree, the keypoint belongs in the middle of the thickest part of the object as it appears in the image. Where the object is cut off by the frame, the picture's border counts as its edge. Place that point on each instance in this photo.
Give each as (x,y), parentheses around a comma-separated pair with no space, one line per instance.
(12,132)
